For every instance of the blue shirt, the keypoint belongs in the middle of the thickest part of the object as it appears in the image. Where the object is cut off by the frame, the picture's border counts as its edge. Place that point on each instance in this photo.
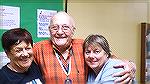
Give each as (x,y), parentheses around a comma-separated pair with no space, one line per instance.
(32,76)
(105,74)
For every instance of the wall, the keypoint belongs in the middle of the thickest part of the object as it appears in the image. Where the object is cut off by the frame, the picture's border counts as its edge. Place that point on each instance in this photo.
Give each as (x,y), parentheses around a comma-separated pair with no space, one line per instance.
(28,13)
(28,17)
(118,20)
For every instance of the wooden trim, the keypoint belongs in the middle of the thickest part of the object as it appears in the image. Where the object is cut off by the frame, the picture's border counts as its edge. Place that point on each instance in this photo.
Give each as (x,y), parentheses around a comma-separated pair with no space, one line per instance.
(144,32)
(66,9)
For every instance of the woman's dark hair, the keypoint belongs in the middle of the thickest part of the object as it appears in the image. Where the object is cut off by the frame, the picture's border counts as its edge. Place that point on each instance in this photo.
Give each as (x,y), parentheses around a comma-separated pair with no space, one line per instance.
(14,37)
(97,39)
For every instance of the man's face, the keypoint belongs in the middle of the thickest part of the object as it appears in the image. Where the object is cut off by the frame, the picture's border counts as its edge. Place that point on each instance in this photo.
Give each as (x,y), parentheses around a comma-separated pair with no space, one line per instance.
(61,31)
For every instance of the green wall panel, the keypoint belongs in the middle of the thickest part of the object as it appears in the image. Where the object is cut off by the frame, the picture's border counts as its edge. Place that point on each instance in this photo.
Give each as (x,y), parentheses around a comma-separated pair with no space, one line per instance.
(28,13)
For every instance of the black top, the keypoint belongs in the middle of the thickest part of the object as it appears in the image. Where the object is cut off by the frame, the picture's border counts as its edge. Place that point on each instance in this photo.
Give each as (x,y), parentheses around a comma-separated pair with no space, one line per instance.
(32,76)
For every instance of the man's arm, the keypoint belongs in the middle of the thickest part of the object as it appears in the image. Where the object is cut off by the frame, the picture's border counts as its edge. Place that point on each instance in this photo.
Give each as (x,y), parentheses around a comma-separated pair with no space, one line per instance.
(128,74)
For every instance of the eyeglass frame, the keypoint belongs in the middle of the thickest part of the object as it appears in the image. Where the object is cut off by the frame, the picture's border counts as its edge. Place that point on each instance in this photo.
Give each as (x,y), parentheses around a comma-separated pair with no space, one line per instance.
(64,27)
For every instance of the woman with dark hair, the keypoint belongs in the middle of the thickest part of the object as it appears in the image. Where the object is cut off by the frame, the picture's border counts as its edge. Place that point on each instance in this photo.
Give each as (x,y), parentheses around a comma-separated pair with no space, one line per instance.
(17,44)
(97,56)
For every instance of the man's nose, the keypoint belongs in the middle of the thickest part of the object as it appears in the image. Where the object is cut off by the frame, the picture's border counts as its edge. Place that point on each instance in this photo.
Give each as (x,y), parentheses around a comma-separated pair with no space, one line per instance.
(60,30)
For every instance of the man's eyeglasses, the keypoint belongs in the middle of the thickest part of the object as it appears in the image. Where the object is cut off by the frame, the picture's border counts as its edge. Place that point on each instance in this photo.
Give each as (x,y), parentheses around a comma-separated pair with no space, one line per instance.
(64,28)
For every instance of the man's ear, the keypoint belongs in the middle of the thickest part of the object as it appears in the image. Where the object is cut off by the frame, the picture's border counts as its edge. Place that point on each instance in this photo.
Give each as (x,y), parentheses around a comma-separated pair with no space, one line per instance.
(49,27)
(73,30)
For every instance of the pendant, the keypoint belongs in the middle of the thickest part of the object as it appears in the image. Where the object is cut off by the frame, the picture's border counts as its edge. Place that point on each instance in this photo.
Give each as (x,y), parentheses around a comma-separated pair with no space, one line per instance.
(68,81)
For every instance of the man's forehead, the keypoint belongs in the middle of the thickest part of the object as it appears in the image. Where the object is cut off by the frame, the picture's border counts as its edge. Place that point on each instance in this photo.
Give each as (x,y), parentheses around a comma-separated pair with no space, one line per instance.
(61,16)
(61,19)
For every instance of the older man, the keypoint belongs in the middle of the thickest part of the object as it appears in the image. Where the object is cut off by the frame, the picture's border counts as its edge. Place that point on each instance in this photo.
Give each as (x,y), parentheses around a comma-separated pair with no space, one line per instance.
(61,57)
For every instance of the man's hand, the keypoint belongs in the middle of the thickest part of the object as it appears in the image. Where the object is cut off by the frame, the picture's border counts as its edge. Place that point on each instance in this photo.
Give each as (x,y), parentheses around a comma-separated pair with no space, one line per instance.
(127,75)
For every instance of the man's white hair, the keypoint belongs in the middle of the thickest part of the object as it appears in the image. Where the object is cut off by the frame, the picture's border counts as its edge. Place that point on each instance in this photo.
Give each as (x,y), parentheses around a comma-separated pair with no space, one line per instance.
(66,14)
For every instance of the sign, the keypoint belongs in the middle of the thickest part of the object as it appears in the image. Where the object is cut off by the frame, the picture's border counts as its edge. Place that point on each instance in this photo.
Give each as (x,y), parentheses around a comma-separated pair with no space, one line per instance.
(3,59)
(9,17)
(43,21)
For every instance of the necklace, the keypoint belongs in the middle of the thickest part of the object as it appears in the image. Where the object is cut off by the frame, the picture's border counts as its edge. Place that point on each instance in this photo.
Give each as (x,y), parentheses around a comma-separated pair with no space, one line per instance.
(15,70)
(11,68)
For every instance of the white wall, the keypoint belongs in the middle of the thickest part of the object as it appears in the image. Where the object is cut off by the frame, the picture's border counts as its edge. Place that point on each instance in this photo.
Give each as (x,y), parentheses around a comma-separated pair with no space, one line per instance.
(118,20)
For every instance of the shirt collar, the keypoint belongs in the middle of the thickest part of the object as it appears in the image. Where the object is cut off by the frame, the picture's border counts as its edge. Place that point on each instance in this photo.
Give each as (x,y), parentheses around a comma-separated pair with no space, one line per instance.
(57,50)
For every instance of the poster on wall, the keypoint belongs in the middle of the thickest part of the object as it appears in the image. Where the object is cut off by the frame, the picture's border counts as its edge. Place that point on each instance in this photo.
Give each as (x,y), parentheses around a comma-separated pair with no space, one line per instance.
(43,21)
(9,17)
(3,59)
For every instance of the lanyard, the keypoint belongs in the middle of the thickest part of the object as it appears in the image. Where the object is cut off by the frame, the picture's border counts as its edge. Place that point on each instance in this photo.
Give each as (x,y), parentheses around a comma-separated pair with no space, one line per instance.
(62,66)
(68,80)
